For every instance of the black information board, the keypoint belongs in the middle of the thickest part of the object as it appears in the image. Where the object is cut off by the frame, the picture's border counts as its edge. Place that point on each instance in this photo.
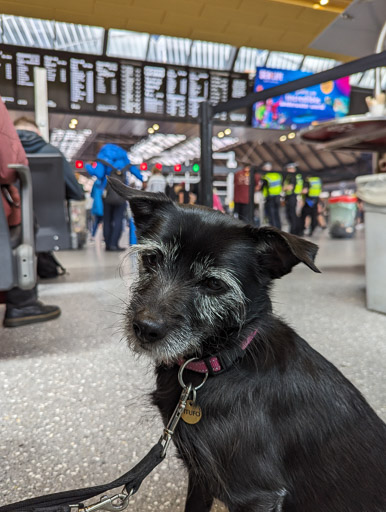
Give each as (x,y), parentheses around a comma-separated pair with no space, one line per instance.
(82,85)
(7,79)
(57,81)
(106,86)
(154,85)
(219,92)
(25,64)
(131,89)
(89,84)
(198,91)
(176,92)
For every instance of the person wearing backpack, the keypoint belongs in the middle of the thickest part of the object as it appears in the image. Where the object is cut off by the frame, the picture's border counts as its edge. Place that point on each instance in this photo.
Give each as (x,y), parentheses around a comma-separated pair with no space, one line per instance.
(112,160)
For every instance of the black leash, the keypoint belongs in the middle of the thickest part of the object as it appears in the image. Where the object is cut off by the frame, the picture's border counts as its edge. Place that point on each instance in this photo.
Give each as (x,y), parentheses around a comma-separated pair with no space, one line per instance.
(71,501)
(62,501)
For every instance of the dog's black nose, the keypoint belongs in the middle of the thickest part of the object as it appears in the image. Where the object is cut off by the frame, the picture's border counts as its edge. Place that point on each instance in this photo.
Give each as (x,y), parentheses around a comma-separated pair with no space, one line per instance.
(149,330)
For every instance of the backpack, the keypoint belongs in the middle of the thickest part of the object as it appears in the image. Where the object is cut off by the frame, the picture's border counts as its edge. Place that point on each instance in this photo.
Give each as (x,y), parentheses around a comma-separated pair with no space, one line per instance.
(49,266)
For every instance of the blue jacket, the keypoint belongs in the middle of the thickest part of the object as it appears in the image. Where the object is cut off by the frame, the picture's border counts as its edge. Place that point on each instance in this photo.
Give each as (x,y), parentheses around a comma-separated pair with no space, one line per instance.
(116,156)
(97,195)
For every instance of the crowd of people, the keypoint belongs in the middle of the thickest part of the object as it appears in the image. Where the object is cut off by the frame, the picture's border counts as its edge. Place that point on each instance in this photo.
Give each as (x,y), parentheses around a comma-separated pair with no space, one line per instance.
(300,194)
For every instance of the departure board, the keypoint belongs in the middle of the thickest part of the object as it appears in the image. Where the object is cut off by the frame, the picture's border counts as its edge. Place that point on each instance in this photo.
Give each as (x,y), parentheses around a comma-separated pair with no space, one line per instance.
(238,89)
(106,86)
(176,92)
(25,64)
(7,81)
(154,85)
(81,85)
(57,81)
(219,92)
(131,89)
(198,91)
(91,84)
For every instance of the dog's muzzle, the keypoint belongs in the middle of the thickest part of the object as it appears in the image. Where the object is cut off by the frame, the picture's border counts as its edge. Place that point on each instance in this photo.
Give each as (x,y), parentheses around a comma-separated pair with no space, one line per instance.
(149,328)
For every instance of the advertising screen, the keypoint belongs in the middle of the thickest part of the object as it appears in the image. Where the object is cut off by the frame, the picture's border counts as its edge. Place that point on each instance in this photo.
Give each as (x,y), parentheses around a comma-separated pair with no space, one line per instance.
(299,108)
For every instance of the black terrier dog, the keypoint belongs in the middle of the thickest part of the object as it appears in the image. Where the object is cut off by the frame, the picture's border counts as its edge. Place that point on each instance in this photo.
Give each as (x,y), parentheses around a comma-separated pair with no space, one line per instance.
(281,428)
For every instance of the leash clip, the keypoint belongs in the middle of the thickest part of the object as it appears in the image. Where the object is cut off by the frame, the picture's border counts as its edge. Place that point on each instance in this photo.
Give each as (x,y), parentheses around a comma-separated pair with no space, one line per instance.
(114,503)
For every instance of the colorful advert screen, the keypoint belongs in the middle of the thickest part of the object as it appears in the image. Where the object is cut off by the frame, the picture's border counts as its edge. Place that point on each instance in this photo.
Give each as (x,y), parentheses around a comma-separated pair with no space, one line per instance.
(300,108)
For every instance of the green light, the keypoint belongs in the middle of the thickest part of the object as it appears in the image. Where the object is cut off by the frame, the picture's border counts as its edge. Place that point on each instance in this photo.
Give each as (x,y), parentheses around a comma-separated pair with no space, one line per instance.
(195,168)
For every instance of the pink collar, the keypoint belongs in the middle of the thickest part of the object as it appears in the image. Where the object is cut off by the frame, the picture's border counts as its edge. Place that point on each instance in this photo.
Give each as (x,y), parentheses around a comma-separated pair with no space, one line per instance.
(220,362)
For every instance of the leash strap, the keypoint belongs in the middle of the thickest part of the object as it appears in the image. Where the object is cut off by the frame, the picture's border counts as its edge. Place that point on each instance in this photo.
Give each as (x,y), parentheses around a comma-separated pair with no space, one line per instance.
(61,501)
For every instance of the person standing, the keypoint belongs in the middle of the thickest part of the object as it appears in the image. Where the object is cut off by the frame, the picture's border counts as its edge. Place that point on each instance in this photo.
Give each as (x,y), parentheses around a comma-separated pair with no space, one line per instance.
(241,192)
(112,160)
(97,206)
(156,182)
(22,306)
(33,142)
(312,190)
(293,186)
(272,188)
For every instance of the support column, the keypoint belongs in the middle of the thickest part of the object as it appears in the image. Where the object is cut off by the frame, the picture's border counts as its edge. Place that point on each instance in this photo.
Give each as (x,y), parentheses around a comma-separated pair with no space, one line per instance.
(41,102)
(206,129)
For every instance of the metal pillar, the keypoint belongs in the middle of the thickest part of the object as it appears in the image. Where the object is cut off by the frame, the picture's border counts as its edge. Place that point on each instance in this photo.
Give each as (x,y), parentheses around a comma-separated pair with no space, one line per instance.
(41,99)
(206,129)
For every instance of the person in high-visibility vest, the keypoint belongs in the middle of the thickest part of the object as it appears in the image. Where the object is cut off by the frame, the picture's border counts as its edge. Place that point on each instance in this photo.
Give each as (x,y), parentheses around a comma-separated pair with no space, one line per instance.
(293,186)
(312,190)
(272,188)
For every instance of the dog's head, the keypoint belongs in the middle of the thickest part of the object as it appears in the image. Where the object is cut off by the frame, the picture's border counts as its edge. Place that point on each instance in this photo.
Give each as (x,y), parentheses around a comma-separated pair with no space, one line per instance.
(203,276)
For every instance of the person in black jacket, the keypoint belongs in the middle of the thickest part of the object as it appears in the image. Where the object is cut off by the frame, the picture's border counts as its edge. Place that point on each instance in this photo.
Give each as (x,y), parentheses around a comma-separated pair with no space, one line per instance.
(33,142)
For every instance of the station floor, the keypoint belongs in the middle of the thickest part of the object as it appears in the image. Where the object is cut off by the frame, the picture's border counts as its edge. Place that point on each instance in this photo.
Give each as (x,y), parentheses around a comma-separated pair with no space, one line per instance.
(74,409)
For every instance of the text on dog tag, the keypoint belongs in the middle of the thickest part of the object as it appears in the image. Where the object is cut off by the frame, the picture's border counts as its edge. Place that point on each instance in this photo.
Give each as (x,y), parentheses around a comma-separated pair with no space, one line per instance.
(192,413)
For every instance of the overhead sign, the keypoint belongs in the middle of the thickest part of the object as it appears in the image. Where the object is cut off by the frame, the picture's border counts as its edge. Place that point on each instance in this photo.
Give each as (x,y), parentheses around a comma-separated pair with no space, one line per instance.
(90,84)
(299,108)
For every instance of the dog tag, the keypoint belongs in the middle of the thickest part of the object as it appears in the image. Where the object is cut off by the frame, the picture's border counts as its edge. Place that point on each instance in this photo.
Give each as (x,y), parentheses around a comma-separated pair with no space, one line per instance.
(192,413)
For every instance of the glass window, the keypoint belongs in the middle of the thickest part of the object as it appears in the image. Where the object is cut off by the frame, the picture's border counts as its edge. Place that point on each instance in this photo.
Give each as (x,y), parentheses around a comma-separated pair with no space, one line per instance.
(212,55)
(169,50)
(27,32)
(78,38)
(318,64)
(282,60)
(127,44)
(248,59)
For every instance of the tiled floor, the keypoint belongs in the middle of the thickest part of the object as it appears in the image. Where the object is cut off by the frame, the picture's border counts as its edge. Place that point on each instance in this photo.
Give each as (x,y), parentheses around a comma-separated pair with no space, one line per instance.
(74,409)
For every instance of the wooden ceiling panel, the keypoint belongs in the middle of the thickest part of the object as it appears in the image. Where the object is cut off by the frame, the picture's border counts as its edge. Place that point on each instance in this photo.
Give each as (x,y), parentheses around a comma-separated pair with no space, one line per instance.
(264,24)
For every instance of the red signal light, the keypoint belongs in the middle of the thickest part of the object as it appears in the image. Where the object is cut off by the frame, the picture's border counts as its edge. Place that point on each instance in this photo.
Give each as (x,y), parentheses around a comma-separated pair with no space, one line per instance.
(177,168)
(159,166)
(79,164)
(143,167)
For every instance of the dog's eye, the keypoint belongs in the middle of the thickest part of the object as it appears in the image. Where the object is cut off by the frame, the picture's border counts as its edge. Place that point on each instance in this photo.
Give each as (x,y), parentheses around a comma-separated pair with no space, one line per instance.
(214,284)
(150,261)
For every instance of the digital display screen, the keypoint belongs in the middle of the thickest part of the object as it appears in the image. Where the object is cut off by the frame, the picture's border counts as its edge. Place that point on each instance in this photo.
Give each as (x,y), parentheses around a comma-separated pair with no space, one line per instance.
(101,85)
(154,79)
(7,80)
(81,85)
(57,81)
(131,89)
(106,86)
(198,91)
(25,64)
(176,92)
(300,108)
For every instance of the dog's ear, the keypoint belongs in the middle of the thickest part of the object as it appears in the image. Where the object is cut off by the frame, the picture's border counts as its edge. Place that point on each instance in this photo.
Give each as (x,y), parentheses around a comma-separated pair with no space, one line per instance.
(278,252)
(144,205)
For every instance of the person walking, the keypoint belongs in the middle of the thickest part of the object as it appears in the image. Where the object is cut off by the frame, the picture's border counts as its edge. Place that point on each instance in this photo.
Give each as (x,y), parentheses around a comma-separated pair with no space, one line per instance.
(112,160)
(312,190)
(293,186)
(241,192)
(272,189)
(156,182)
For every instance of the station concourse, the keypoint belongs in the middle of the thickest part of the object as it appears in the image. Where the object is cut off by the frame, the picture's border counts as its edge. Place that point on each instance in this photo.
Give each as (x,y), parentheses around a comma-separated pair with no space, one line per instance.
(74,400)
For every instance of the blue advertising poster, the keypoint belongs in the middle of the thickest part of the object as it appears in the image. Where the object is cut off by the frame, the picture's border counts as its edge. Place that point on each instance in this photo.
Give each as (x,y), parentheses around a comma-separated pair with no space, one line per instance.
(298,109)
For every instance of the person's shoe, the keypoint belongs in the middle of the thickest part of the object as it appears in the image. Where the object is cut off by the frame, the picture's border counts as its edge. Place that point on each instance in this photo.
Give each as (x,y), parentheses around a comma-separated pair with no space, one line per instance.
(115,248)
(37,312)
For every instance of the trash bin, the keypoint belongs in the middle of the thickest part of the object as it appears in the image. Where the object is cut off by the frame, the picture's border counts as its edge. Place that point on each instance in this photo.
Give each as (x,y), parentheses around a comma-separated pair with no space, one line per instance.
(343,210)
(372,190)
